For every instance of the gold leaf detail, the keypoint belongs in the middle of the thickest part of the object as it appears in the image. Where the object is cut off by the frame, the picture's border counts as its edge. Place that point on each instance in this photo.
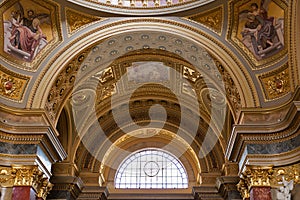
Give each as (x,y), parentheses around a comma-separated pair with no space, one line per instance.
(12,85)
(277,83)
(212,19)
(77,20)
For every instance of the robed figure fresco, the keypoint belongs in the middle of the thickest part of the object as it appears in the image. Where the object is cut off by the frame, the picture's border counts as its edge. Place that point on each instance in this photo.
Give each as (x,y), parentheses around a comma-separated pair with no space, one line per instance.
(23,35)
(261,33)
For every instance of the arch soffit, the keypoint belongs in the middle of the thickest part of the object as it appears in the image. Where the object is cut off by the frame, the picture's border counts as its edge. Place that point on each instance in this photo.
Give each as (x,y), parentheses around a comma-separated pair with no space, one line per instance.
(217,49)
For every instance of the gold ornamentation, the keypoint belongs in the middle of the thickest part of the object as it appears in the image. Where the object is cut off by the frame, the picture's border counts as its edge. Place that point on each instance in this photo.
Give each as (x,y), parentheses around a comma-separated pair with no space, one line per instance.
(267,176)
(12,86)
(277,83)
(231,89)
(190,74)
(5,177)
(63,84)
(44,188)
(213,19)
(77,20)
(25,176)
(288,172)
(254,176)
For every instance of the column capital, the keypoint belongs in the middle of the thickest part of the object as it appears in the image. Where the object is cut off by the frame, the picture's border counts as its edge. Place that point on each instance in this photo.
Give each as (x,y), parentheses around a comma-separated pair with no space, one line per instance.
(254,176)
(267,176)
(25,175)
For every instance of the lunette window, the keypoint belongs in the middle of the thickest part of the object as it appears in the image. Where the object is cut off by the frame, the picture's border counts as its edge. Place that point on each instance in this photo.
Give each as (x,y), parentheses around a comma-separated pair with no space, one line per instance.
(151,168)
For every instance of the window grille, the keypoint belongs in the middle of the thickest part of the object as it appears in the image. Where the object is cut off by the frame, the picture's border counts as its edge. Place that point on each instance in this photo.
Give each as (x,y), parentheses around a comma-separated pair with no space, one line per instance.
(151,168)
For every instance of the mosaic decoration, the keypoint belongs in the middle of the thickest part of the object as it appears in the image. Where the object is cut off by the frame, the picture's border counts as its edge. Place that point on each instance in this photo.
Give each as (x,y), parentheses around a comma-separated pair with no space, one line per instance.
(258,28)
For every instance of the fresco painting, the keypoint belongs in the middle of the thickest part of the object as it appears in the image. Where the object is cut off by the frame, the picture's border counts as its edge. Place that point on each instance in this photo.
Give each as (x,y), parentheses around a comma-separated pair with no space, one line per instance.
(261,28)
(27,30)
(144,72)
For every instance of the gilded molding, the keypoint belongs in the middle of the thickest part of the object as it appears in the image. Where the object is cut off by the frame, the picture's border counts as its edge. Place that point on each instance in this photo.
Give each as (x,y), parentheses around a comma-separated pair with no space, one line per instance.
(12,85)
(276,83)
(78,20)
(294,42)
(213,19)
(145,5)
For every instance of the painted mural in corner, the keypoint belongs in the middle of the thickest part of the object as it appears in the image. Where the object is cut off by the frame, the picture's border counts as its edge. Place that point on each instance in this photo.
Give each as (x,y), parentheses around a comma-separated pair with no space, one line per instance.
(261,27)
(27,29)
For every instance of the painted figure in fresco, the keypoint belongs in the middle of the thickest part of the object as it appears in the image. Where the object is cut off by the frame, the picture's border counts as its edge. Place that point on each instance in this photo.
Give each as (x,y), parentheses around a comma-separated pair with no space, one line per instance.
(262,34)
(25,37)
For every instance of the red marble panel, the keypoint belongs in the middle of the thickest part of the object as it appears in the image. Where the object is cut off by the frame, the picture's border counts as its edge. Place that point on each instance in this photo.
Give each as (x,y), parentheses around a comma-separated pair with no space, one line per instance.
(260,193)
(21,193)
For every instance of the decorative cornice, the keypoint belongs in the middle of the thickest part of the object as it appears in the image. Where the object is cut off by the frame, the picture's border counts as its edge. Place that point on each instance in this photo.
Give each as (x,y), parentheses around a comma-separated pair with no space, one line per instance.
(30,127)
(283,129)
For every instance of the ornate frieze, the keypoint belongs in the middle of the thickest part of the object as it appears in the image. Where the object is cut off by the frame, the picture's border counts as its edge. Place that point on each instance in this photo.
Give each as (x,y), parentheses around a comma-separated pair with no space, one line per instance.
(213,19)
(276,83)
(12,85)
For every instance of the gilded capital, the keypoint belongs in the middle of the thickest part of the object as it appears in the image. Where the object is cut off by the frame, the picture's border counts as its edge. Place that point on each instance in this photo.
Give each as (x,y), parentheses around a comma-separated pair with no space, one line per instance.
(30,175)
(254,176)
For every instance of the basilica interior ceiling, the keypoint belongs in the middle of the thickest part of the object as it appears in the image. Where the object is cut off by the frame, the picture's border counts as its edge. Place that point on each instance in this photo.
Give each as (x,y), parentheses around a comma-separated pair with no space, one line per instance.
(116,76)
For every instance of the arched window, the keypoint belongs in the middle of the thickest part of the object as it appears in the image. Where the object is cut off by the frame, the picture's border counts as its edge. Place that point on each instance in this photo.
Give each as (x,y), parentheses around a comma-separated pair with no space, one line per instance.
(151,168)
